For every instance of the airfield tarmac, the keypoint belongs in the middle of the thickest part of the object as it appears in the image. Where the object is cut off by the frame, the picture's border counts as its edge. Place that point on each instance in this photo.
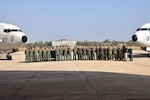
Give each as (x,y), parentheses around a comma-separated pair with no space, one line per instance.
(75,80)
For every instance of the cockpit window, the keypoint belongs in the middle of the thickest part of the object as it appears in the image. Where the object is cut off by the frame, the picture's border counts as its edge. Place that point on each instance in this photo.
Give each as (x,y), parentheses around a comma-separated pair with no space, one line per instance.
(142,29)
(7,30)
(20,30)
(138,29)
(12,30)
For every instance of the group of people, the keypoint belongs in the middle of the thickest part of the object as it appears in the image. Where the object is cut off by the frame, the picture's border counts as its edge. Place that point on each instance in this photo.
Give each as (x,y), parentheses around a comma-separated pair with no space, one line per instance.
(65,53)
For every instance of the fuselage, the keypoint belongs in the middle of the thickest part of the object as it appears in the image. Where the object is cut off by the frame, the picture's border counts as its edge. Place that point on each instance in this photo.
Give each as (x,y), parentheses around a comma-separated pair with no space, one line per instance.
(142,35)
(11,37)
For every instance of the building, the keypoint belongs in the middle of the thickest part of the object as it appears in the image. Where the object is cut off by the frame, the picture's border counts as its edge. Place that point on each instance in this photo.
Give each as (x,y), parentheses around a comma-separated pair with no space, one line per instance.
(64,42)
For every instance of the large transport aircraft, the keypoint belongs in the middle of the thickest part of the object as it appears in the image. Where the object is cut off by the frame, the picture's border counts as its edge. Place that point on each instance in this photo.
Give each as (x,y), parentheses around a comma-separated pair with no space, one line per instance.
(142,37)
(11,37)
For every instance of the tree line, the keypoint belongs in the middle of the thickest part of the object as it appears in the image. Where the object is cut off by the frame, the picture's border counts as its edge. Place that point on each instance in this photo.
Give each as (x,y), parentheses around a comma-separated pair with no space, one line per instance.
(84,43)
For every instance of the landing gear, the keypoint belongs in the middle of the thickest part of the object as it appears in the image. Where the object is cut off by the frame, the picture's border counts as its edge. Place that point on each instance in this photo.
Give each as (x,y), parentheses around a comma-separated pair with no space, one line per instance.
(148,55)
(8,57)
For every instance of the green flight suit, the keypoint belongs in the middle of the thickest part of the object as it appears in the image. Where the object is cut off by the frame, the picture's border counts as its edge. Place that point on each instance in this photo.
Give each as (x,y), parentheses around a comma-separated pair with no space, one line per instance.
(120,56)
(60,53)
(40,55)
(84,53)
(114,53)
(68,53)
(105,54)
(44,55)
(92,54)
(27,59)
(65,53)
(48,53)
(31,55)
(80,55)
(74,53)
(88,53)
(101,53)
(57,54)
(35,52)
(109,53)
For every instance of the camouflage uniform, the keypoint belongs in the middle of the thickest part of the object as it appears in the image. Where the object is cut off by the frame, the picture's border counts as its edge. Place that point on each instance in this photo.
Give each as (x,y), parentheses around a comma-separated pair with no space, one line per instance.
(101,53)
(119,53)
(105,53)
(114,53)
(89,53)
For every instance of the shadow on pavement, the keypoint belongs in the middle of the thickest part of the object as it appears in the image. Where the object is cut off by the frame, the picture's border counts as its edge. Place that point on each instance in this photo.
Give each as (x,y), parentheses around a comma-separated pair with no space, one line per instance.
(138,55)
(73,85)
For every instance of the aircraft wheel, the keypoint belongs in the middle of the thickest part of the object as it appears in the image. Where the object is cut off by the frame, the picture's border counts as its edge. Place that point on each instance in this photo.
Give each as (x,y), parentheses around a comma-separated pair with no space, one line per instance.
(148,55)
(9,57)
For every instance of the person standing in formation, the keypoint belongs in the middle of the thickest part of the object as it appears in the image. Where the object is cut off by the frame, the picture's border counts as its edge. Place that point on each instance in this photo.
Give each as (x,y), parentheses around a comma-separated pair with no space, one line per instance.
(60,53)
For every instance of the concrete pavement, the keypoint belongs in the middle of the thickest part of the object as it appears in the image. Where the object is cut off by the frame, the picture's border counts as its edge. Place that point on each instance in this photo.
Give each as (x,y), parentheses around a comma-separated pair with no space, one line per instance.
(75,80)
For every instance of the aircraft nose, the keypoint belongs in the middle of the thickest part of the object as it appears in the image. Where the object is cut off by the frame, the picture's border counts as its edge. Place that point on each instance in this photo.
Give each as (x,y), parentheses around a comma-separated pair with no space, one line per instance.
(24,39)
(134,38)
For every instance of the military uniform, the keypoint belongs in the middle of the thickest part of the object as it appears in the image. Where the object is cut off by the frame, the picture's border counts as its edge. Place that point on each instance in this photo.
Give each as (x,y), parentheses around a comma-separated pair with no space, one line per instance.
(114,53)
(65,53)
(84,53)
(35,52)
(89,53)
(130,54)
(60,53)
(74,53)
(57,54)
(109,53)
(31,55)
(101,53)
(105,53)
(92,53)
(48,53)
(44,54)
(97,53)
(40,55)
(69,53)
(27,59)
(80,53)
(120,54)
(53,54)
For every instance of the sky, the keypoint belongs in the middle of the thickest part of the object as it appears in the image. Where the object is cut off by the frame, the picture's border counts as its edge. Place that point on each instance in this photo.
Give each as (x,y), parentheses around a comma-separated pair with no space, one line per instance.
(79,20)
